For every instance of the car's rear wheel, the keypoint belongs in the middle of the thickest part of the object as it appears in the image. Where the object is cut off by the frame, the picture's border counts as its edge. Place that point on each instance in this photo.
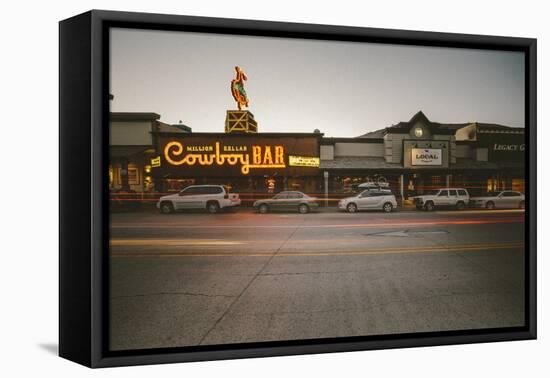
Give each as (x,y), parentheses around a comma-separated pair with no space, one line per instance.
(429,206)
(303,208)
(388,207)
(522,205)
(263,209)
(460,205)
(213,207)
(166,208)
(352,208)
(490,205)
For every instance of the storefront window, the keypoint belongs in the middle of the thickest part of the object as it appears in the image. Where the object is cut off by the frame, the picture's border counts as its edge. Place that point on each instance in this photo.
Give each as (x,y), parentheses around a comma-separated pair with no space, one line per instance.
(518,185)
(114,176)
(436,182)
(174,185)
(491,185)
(111,176)
(133,174)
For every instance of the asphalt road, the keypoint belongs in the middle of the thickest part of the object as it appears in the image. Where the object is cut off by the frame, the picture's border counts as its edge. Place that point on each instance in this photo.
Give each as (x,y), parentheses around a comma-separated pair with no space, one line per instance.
(199,279)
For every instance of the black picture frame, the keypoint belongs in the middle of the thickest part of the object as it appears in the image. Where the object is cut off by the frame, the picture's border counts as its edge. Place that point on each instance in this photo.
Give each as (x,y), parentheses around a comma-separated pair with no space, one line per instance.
(83,182)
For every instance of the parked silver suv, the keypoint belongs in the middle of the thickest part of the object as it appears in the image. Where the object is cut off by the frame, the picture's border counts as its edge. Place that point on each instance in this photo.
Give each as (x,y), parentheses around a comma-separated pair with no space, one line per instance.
(213,198)
(445,197)
(369,200)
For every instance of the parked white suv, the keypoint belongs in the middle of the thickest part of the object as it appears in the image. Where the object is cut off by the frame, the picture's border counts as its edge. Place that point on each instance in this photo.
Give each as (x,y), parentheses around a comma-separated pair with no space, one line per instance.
(369,200)
(213,198)
(448,197)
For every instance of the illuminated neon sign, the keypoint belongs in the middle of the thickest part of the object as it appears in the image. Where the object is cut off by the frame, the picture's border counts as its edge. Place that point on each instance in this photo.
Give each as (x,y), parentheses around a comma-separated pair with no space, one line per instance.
(303,161)
(237,88)
(155,162)
(256,157)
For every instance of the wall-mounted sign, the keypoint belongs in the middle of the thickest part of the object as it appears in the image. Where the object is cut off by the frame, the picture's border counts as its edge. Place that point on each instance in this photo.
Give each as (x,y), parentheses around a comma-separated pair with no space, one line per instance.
(303,161)
(426,156)
(426,153)
(155,162)
(505,147)
(244,156)
(232,155)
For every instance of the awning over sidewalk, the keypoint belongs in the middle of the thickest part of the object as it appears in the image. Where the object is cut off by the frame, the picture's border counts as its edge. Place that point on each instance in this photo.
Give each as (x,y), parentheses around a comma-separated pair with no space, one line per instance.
(359,162)
(379,163)
(472,165)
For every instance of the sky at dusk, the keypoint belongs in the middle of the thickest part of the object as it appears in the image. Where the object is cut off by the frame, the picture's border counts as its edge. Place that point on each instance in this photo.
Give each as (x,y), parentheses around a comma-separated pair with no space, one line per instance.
(344,89)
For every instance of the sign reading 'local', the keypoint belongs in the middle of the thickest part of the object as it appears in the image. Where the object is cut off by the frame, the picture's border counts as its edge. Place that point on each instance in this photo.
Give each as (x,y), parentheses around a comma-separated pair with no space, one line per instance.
(426,156)
(246,157)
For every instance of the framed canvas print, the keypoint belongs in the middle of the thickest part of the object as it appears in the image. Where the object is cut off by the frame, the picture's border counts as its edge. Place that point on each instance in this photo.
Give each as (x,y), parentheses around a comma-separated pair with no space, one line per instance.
(234,188)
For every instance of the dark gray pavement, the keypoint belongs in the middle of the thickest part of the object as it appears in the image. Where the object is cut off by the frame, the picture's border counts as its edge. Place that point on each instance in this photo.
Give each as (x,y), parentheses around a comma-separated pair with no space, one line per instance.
(200,279)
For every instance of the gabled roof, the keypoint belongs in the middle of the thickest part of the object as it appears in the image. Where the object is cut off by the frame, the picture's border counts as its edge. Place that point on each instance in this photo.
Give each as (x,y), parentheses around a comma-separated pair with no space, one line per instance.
(439,128)
(377,134)
(492,127)
(419,117)
(435,127)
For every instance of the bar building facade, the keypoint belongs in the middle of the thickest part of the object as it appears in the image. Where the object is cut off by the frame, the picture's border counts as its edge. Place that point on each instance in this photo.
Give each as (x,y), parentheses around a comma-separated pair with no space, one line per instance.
(249,164)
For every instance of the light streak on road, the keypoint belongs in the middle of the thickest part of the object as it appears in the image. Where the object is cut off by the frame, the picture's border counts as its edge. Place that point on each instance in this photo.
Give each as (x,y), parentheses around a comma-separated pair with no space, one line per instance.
(339,252)
(173,242)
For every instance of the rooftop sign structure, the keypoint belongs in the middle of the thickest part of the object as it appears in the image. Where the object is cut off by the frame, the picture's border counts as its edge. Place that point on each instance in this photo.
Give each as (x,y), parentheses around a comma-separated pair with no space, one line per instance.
(240,121)
(237,88)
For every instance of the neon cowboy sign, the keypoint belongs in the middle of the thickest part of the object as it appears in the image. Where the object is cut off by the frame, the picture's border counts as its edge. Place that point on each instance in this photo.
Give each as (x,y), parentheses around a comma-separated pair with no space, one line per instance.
(247,157)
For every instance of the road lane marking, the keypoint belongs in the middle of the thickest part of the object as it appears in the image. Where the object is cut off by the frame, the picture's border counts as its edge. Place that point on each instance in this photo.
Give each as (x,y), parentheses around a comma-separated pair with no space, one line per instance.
(173,242)
(373,251)
(349,225)
(482,211)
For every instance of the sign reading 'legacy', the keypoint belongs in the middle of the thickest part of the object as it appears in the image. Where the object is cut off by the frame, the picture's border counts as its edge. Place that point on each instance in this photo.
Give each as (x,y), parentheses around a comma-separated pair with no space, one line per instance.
(509,147)
(426,156)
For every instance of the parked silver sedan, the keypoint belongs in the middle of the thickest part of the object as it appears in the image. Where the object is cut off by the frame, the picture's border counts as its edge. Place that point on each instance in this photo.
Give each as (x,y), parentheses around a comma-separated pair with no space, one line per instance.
(506,199)
(288,201)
